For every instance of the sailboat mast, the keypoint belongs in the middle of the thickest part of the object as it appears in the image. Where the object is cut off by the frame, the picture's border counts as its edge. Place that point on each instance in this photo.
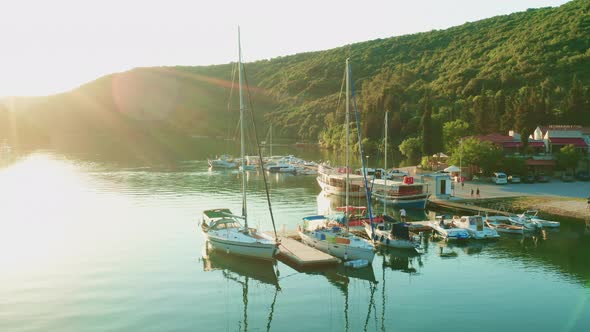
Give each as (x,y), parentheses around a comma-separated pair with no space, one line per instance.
(347,140)
(385,166)
(271,139)
(242,137)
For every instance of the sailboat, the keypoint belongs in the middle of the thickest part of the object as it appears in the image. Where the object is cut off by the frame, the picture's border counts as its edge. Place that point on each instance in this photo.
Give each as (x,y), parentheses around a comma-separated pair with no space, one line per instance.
(223,229)
(391,233)
(319,232)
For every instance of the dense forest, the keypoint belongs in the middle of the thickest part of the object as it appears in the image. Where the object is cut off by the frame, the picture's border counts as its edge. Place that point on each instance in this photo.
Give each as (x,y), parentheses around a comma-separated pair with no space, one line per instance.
(514,71)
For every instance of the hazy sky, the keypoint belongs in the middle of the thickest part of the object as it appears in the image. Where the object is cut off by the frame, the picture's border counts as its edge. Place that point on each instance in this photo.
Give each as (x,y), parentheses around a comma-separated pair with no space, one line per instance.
(50,46)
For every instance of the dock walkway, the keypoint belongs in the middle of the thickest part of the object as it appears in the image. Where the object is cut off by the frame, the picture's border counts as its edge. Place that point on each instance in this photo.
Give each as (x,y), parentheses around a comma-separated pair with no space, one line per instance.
(460,206)
(302,255)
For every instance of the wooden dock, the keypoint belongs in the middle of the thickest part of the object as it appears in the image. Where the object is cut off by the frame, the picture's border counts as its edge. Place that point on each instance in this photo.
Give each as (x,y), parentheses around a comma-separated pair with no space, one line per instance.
(302,255)
(462,206)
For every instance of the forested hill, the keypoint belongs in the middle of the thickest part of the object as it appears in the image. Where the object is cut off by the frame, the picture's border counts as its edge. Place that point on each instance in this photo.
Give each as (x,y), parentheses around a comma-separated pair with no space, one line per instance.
(507,72)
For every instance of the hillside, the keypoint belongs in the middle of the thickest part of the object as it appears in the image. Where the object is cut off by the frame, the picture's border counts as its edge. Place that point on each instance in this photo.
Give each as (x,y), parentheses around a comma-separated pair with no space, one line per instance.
(533,63)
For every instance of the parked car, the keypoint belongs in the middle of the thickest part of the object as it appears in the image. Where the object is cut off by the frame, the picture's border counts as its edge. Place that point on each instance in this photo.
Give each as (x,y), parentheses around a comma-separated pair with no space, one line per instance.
(514,179)
(567,177)
(583,176)
(499,178)
(542,177)
(529,179)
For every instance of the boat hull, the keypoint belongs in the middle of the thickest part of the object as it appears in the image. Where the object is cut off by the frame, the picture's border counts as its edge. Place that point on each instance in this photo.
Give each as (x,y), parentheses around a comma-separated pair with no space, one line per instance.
(338,191)
(266,251)
(418,203)
(339,250)
(382,238)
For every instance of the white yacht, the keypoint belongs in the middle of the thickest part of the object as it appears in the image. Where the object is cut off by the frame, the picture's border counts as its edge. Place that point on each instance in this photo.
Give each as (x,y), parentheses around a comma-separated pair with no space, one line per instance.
(476,227)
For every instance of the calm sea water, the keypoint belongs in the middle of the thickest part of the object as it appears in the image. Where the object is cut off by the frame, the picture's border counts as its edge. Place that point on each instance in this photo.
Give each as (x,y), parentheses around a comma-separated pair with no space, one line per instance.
(88,243)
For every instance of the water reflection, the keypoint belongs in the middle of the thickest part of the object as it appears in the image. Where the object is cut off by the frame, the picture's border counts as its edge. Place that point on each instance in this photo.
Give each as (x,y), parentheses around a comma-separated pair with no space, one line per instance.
(243,271)
(401,260)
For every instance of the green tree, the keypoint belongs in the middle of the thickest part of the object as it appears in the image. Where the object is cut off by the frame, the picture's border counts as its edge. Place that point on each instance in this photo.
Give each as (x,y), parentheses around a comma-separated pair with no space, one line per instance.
(568,157)
(426,125)
(411,148)
(453,131)
(484,155)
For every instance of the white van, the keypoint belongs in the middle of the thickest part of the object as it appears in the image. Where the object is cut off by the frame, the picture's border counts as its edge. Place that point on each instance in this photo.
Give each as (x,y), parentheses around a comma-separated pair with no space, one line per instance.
(499,178)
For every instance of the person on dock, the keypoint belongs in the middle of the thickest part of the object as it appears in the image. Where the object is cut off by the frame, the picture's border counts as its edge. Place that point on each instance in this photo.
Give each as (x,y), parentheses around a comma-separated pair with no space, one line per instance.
(402,214)
(462,182)
(471,192)
(477,193)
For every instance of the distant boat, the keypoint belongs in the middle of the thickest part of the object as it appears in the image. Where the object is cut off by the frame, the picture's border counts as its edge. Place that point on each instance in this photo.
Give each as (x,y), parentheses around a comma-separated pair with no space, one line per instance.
(223,229)
(223,162)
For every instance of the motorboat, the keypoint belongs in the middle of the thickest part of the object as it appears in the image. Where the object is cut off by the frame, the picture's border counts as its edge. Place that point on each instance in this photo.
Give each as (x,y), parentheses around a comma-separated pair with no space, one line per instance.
(223,162)
(533,216)
(395,235)
(476,227)
(447,231)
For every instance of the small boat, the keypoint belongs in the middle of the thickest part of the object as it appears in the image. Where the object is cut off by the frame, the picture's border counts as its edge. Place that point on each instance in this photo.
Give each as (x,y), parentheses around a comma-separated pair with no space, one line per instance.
(395,235)
(223,162)
(280,168)
(318,232)
(448,232)
(505,228)
(526,222)
(476,227)
(533,216)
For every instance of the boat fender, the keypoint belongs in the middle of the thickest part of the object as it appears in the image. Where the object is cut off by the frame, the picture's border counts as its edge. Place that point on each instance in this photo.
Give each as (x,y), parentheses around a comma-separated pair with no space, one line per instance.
(345,256)
(387,241)
(227,251)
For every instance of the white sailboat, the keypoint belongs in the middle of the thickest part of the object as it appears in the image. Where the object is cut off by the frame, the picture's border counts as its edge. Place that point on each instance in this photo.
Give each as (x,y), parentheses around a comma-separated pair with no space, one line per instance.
(320,233)
(223,229)
(395,235)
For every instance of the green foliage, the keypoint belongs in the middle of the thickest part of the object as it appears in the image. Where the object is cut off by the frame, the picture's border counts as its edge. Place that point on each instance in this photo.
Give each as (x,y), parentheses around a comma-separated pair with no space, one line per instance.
(504,72)
(568,157)
(485,155)
(453,131)
(411,148)
(514,165)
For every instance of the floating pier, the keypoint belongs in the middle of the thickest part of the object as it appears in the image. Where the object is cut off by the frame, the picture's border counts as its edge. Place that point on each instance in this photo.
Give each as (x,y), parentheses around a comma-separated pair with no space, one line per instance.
(463,206)
(302,255)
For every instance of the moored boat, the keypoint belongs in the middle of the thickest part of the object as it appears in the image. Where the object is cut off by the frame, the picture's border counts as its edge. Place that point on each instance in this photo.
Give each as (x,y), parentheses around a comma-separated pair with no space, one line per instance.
(333,181)
(223,229)
(448,232)
(223,162)
(395,235)
(401,194)
(318,232)
(224,232)
(533,216)
(476,227)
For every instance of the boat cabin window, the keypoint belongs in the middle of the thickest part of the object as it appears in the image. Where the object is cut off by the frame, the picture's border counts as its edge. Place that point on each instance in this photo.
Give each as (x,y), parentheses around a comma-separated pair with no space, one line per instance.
(225,224)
